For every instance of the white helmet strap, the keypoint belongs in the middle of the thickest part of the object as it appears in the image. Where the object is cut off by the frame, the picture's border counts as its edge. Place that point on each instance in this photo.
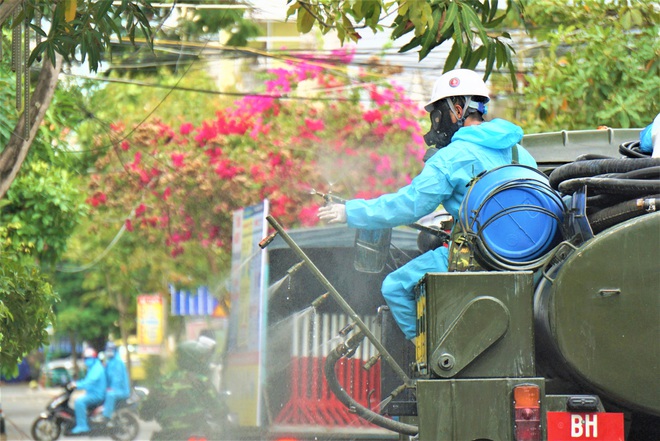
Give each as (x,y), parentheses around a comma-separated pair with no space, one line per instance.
(461,119)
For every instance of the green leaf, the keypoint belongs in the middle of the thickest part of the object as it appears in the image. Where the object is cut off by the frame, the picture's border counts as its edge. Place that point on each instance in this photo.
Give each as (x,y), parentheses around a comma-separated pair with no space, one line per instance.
(305,21)
(429,38)
(453,57)
(292,9)
(411,44)
(104,7)
(450,17)
(493,10)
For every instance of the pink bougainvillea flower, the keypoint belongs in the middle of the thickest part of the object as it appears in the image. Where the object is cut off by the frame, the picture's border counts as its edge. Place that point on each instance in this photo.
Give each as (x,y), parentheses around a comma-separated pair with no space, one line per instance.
(213,153)
(124,145)
(137,158)
(372,115)
(279,205)
(176,251)
(308,216)
(186,128)
(139,211)
(377,97)
(258,175)
(314,125)
(343,56)
(383,163)
(97,199)
(403,123)
(128,224)
(205,134)
(177,159)
(381,130)
(256,129)
(144,177)
(226,170)
(167,193)
(274,159)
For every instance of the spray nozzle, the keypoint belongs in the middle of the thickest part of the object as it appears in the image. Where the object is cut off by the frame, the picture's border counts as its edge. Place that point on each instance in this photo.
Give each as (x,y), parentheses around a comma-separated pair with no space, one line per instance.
(319,300)
(346,329)
(329,197)
(295,268)
(267,240)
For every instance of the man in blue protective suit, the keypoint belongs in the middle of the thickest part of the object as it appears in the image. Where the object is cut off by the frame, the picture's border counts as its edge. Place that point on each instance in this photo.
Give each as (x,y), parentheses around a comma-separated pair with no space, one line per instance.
(117,378)
(462,145)
(94,385)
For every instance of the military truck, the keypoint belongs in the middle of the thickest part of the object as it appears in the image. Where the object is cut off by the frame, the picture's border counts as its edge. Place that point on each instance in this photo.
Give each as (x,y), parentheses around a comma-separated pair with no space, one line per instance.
(547,326)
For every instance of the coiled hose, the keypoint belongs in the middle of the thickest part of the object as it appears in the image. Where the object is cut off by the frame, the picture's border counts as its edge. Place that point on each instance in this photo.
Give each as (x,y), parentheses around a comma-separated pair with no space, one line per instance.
(618,189)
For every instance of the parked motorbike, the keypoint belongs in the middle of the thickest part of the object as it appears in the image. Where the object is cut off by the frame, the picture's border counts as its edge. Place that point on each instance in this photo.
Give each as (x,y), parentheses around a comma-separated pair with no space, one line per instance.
(59,418)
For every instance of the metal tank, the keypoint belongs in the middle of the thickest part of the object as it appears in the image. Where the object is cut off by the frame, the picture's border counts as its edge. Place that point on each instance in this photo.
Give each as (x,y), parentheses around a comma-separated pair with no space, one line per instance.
(597,315)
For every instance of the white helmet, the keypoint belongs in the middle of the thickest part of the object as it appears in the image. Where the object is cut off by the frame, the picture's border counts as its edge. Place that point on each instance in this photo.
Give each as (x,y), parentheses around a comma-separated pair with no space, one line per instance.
(459,82)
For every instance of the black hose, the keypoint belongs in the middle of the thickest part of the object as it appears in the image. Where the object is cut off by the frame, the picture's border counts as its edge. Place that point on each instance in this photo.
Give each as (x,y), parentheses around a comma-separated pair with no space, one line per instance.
(632,187)
(610,216)
(591,156)
(348,401)
(605,200)
(643,173)
(631,149)
(597,167)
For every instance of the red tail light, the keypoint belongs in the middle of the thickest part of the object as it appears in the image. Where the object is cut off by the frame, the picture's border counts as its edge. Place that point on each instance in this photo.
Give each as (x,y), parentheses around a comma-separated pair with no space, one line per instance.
(527,412)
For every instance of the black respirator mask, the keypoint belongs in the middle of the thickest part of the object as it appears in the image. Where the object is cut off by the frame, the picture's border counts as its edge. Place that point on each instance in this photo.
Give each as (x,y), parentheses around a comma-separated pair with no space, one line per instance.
(442,128)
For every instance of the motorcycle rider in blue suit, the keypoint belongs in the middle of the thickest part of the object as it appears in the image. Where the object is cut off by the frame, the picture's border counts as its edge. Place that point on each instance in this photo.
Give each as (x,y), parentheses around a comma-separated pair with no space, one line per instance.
(94,385)
(117,378)
(464,145)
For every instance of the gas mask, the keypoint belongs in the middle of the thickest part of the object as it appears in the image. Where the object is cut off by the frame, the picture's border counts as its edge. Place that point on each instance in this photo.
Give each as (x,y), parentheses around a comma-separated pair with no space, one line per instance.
(442,127)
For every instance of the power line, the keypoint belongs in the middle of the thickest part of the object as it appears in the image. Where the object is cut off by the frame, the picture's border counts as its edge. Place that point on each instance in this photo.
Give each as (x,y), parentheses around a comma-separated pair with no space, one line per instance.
(210,91)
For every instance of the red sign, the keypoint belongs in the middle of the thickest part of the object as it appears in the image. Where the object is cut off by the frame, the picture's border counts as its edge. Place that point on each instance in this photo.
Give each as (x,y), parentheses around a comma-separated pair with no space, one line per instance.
(599,426)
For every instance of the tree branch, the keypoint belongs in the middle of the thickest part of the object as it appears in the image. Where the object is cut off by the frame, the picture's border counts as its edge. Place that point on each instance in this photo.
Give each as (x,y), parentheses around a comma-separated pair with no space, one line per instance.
(7,9)
(17,147)
(306,6)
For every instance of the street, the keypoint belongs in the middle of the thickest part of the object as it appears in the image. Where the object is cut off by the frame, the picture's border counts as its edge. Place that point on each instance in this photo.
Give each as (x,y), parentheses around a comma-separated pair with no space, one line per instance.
(21,405)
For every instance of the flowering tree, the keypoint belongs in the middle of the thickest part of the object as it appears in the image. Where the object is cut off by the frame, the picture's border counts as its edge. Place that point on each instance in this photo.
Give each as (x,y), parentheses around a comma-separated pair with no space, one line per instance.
(313,128)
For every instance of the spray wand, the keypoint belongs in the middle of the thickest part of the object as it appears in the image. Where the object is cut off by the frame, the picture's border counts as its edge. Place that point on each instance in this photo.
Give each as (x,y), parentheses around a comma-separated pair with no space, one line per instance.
(329,198)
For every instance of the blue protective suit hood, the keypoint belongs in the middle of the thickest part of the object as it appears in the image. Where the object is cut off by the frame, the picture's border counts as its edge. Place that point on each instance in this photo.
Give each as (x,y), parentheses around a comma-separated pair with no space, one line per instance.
(497,134)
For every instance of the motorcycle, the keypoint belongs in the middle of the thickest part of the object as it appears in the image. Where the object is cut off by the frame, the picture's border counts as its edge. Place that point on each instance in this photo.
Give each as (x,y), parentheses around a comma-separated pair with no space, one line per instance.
(59,418)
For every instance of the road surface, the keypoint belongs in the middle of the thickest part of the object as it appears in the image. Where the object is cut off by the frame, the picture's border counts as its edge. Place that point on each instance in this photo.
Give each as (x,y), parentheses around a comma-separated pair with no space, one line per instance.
(21,405)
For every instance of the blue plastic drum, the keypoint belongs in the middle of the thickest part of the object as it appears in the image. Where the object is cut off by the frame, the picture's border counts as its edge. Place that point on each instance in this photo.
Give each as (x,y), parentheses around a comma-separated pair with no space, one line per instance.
(515,213)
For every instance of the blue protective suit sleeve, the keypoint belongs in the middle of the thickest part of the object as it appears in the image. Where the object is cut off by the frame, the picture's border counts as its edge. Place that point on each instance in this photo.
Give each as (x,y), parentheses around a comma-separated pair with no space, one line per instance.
(423,195)
(94,382)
